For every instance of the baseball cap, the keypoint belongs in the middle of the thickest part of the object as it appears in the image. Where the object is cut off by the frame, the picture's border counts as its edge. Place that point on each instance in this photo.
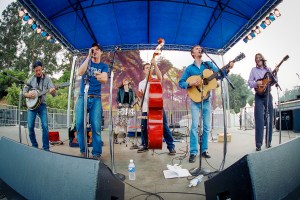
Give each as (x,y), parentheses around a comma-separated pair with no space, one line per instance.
(97,45)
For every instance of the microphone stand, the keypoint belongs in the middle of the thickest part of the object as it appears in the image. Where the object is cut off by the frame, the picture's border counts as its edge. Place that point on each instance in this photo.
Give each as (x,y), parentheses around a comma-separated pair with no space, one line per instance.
(273,82)
(85,99)
(223,75)
(20,83)
(110,126)
(279,111)
(198,170)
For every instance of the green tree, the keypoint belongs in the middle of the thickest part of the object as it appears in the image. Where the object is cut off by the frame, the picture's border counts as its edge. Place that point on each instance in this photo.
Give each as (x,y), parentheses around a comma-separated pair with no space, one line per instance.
(238,97)
(290,94)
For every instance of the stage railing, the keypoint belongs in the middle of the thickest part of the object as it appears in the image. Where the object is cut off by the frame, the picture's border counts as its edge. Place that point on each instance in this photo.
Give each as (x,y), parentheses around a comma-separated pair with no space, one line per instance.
(57,118)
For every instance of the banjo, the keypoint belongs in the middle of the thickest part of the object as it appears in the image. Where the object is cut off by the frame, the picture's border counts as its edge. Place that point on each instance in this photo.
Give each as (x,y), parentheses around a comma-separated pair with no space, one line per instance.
(34,103)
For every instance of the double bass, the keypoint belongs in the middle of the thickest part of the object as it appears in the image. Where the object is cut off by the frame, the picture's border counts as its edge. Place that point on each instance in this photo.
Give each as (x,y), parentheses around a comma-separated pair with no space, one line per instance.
(155,106)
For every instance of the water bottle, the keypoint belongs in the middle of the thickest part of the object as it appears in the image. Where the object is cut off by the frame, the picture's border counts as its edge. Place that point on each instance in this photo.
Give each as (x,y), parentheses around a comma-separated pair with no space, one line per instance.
(196,180)
(131,170)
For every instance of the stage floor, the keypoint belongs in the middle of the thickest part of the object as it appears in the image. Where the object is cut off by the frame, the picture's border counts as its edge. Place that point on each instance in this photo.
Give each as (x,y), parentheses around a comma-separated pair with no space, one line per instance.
(150,165)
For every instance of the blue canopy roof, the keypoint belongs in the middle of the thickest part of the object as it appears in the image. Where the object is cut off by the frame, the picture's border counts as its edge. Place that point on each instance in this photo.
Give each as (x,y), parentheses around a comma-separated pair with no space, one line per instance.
(216,25)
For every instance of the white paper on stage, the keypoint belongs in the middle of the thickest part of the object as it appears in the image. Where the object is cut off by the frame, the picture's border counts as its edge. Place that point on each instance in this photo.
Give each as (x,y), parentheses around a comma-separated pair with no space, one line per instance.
(176,172)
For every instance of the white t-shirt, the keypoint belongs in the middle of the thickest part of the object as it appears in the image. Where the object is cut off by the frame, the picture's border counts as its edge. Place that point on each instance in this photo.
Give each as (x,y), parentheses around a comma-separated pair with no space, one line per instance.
(142,86)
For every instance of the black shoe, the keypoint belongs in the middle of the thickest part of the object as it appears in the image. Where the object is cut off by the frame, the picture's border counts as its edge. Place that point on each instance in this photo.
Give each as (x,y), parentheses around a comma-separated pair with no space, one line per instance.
(143,149)
(172,152)
(258,148)
(192,158)
(205,155)
(97,157)
(116,141)
(268,146)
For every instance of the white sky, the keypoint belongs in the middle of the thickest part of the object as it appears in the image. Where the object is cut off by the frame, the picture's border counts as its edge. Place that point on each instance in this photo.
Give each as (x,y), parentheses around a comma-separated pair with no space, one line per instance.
(274,42)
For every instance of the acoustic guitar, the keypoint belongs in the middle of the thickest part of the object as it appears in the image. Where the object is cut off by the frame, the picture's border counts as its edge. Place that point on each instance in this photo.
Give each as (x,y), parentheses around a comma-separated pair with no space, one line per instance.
(268,80)
(34,103)
(207,81)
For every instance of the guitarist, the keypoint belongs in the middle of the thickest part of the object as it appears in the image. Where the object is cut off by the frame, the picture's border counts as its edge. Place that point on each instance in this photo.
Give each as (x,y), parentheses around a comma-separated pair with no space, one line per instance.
(42,82)
(262,102)
(197,68)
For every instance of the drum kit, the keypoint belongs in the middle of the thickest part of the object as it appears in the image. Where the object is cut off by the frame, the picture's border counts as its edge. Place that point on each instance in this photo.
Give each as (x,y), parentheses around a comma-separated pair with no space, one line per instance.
(126,112)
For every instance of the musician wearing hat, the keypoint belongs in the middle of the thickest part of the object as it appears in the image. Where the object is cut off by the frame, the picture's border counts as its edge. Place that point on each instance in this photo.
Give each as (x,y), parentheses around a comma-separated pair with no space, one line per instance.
(35,92)
(94,73)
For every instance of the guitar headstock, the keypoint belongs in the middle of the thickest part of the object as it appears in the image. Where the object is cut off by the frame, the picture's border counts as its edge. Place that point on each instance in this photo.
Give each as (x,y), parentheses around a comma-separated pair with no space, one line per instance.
(241,56)
(286,57)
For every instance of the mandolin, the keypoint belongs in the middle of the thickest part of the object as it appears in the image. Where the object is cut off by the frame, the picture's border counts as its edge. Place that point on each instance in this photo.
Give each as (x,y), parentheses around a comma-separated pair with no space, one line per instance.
(268,80)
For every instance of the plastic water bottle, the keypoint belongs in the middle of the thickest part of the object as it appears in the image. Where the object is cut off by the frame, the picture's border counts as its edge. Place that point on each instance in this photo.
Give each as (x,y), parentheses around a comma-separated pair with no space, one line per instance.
(196,180)
(131,170)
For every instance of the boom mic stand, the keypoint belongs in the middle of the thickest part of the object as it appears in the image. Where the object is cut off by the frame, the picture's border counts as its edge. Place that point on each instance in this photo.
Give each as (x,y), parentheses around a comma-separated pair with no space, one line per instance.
(21,83)
(223,75)
(110,126)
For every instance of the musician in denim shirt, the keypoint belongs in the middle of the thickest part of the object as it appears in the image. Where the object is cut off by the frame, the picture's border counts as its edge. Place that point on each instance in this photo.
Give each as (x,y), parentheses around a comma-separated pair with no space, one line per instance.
(196,69)
(261,101)
(43,83)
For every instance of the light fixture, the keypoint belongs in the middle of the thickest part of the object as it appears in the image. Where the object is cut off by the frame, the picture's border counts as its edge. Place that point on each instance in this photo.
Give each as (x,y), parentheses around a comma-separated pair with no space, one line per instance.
(52,40)
(277,13)
(272,17)
(43,33)
(268,21)
(257,30)
(38,30)
(249,37)
(252,33)
(26,17)
(263,24)
(30,21)
(245,39)
(48,37)
(33,26)
(21,12)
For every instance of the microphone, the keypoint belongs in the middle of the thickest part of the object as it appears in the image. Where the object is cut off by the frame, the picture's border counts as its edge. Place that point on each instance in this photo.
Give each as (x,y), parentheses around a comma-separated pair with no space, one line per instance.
(92,51)
(203,50)
(118,49)
(296,74)
(263,60)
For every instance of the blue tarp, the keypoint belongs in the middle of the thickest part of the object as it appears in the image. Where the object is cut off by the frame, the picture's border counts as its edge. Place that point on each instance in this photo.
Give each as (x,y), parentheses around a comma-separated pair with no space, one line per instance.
(137,24)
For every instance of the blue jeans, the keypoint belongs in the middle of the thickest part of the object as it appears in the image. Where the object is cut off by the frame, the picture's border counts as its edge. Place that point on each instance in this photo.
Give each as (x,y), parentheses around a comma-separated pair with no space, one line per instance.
(194,137)
(41,111)
(166,132)
(94,108)
(259,112)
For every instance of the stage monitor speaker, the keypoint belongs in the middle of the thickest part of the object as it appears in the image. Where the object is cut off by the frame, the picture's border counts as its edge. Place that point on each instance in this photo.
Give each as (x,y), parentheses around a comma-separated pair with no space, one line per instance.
(286,120)
(296,120)
(37,174)
(270,174)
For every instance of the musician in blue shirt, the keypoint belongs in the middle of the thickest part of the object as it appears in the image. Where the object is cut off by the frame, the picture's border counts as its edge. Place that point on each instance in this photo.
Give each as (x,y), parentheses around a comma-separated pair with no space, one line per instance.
(97,75)
(39,83)
(196,69)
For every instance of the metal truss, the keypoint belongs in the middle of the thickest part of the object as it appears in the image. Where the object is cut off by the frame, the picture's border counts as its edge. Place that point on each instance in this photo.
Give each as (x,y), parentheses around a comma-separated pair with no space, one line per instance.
(46,24)
(265,10)
(172,47)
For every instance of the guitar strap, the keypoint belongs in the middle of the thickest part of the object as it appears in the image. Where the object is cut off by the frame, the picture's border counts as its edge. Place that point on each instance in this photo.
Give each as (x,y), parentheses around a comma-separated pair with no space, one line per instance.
(207,65)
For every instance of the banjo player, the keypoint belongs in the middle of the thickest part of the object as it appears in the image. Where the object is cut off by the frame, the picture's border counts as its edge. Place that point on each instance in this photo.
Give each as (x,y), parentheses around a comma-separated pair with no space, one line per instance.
(40,85)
